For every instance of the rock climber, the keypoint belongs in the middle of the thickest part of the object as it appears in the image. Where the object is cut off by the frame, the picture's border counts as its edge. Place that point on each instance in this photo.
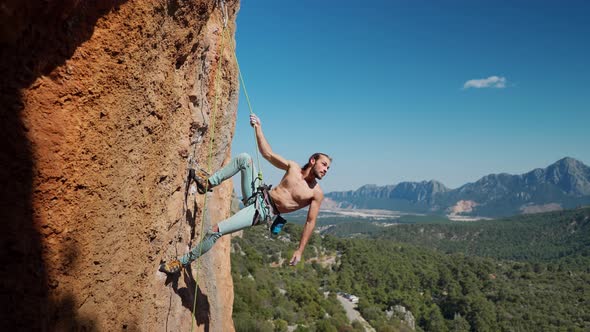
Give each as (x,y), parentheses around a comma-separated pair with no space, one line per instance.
(297,189)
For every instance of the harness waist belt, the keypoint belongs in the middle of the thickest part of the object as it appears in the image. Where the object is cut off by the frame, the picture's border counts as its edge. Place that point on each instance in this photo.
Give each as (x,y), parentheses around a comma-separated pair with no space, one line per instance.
(268,200)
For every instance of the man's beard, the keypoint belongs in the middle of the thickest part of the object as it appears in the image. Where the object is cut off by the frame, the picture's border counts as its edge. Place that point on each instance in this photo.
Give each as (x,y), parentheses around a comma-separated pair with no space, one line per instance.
(317,174)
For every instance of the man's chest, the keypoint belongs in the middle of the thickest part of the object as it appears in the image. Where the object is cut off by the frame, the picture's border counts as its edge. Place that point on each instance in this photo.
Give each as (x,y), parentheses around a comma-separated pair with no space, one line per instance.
(299,189)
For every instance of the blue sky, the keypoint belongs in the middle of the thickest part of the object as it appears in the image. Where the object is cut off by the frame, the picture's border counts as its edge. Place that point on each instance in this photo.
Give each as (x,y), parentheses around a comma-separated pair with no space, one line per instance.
(416,90)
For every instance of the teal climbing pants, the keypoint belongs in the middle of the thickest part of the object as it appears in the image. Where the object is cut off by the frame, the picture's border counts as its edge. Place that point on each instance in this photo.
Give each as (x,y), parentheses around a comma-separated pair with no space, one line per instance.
(246,217)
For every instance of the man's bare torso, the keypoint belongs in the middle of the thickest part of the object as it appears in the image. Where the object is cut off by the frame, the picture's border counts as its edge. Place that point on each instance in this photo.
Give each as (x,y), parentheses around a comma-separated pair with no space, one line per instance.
(293,192)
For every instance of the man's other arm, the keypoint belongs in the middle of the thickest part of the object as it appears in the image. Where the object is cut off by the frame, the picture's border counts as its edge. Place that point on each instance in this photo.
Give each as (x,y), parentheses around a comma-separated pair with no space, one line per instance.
(308,228)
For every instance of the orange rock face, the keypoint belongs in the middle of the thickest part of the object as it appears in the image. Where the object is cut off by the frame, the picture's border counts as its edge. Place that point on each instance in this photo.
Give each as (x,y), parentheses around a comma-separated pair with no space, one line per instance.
(104,106)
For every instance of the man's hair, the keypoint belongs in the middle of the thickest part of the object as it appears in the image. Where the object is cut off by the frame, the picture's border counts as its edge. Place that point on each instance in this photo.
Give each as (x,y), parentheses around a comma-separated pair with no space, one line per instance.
(315,157)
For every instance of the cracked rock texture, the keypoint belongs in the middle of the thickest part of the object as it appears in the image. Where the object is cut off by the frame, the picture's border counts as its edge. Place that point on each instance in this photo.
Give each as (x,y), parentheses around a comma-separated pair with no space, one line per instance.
(104,105)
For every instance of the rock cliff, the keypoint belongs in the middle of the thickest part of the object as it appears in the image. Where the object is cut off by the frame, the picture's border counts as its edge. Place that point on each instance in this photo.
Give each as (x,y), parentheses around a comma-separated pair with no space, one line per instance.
(104,105)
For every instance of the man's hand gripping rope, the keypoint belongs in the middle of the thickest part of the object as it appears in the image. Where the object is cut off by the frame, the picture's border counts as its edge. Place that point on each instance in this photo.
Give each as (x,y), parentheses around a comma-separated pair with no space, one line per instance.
(254,120)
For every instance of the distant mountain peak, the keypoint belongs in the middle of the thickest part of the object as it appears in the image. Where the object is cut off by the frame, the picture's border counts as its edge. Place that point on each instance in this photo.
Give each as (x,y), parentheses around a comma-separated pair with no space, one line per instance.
(368,186)
(565,183)
(569,162)
(571,175)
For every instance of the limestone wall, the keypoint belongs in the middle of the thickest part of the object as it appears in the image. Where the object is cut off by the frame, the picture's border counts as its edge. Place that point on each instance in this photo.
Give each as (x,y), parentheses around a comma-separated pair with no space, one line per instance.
(103,105)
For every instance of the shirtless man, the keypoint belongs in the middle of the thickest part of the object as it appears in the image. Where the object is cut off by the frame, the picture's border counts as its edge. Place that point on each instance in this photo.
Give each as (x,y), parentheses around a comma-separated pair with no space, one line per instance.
(298,188)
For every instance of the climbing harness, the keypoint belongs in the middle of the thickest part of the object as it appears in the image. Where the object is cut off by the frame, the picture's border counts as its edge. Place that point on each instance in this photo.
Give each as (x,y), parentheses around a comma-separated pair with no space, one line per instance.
(273,218)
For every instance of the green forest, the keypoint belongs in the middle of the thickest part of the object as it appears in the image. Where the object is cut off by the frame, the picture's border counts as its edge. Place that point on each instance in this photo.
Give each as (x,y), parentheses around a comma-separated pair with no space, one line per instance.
(515,278)
(557,238)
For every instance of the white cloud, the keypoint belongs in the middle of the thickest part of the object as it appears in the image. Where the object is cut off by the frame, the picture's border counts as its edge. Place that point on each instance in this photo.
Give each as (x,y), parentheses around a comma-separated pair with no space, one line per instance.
(490,82)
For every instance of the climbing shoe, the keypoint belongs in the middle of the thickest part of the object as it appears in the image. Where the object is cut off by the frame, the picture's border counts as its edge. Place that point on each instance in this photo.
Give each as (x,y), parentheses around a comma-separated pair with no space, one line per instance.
(201,179)
(172,267)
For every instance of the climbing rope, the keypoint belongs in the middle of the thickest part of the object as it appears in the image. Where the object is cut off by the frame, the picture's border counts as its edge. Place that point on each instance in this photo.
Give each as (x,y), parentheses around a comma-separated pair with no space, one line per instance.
(224,33)
(210,153)
(249,107)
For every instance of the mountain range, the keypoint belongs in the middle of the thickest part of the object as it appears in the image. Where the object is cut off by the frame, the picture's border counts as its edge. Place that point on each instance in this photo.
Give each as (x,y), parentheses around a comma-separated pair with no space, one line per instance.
(563,184)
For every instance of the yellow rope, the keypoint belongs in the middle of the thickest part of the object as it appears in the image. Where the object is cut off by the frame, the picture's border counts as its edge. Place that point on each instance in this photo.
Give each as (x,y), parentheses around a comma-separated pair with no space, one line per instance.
(210,154)
(209,167)
(250,108)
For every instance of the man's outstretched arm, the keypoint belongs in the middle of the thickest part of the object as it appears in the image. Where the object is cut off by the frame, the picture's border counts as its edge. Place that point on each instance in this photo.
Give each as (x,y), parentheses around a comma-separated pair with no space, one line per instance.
(308,228)
(265,149)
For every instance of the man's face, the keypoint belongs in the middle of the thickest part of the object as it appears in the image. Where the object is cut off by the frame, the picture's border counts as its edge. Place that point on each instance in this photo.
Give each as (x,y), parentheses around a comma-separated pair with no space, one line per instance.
(320,167)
